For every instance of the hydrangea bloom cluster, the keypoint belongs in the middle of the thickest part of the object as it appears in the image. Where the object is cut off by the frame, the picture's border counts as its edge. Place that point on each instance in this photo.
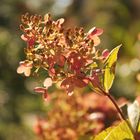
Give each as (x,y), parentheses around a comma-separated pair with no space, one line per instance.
(77,117)
(69,56)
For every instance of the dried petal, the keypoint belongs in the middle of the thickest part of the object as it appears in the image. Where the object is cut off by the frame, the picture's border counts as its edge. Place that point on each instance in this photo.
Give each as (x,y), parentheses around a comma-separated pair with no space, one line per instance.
(80,83)
(60,60)
(95,79)
(47,17)
(59,22)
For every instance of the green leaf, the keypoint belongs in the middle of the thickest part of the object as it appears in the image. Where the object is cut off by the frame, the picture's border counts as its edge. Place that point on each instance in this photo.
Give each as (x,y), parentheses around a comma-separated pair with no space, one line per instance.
(139,127)
(109,67)
(134,115)
(120,132)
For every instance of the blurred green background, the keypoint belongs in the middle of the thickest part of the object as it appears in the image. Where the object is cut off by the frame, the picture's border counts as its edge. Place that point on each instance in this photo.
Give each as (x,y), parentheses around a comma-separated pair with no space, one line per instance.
(120,20)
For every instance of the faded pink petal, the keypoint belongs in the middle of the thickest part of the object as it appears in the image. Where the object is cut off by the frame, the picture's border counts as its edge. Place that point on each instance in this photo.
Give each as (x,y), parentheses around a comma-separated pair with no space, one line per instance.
(77,61)
(95,31)
(68,85)
(24,37)
(91,31)
(47,83)
(24,68)
(98,31)
(96,40)
(20,69)
(95,79)
(66,82)
(27,71)
(51,62)
(105,53)
(59,22)
(60,60)
(51,72)
(71,82)
(29,40)
(93,34)
(40,90)
(80,83)
(45,96)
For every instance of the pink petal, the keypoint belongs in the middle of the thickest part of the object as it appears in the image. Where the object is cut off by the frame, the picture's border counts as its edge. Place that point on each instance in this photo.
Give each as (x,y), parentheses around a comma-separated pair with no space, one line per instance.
(27,71)
(80,83)
(29,65)
(95,79)
(98,31)
(66,82)
(45,96)
(93,34)
(96,40)
(47,83)
(60,21)
(95,31)
(23,37)
(26,64)
(105,53)
(31,41)
(20,69)
(40,90)
(91,31)
(52,72)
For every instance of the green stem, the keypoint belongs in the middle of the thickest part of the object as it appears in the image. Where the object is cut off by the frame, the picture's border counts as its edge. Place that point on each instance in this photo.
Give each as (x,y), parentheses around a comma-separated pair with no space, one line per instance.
(112,100)
(120,112)
(116,106)
(107,94)
(118,109)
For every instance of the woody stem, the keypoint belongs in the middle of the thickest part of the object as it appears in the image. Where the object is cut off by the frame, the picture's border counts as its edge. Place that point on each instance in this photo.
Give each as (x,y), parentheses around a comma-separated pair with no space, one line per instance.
(118,109)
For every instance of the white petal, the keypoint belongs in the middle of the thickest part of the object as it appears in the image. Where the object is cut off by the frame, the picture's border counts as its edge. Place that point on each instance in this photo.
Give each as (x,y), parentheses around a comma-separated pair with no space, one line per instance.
(48,82)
